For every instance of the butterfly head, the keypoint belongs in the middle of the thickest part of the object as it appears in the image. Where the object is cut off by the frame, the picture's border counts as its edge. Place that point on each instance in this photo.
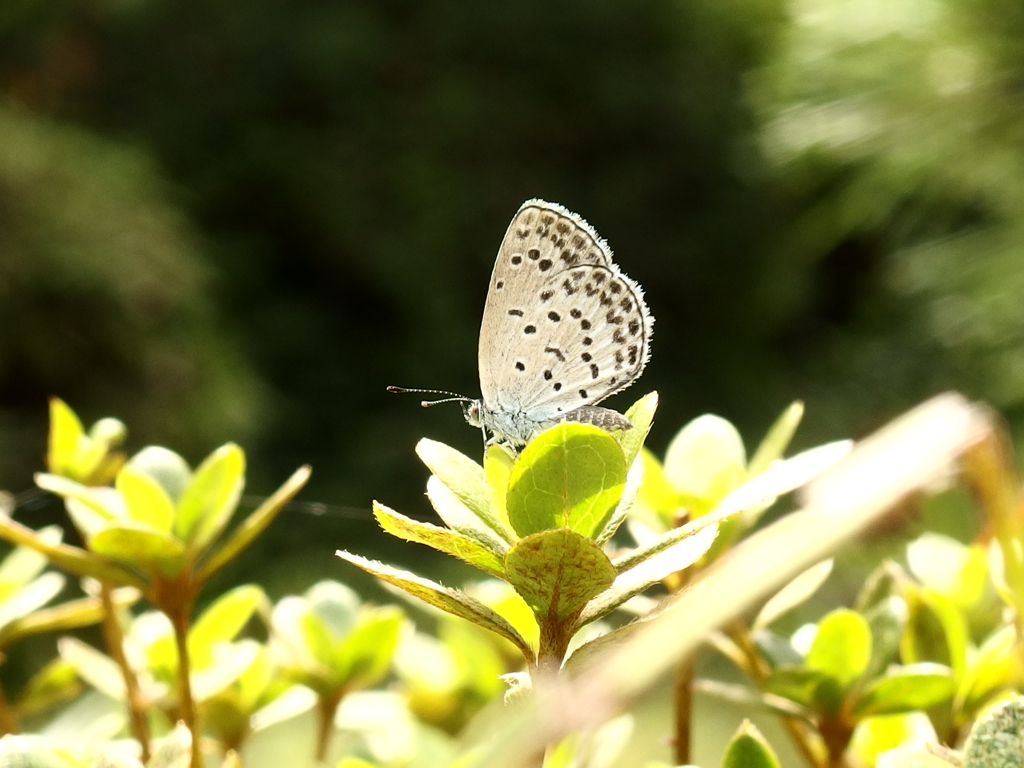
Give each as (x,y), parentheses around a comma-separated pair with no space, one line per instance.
(471,410)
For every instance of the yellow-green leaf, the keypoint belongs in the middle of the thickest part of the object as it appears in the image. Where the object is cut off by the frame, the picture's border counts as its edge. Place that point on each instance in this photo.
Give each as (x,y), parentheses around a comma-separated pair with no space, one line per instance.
(569,476)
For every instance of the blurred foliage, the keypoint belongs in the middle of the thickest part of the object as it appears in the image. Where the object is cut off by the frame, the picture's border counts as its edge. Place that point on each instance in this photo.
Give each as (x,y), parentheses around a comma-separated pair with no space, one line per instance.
(213,215)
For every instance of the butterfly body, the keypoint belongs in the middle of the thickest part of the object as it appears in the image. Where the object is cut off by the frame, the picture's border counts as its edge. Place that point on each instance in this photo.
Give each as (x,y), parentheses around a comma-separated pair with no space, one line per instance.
(562,329)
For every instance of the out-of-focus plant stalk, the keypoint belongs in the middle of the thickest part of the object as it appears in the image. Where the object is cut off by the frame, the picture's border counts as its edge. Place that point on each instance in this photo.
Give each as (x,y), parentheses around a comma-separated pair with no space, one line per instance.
(757,667)
(113,637)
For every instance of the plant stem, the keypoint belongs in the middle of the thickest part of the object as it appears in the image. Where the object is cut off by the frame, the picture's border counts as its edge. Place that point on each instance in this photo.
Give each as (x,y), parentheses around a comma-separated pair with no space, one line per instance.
(798,730)
(682,706)
(186,704)
(327,707)
(552,647)
(114,639)
(8,717)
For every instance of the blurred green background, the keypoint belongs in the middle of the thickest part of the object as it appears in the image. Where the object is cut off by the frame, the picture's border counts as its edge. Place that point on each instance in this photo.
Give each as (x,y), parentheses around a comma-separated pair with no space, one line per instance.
(242,220)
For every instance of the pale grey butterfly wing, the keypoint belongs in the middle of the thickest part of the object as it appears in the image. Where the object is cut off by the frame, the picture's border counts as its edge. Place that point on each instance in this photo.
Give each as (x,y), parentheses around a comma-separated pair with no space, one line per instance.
(563,328)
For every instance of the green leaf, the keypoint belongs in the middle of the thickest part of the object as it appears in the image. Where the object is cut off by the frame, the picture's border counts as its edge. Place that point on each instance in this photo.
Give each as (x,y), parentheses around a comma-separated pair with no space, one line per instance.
(31,752)
(875,735)
(996,667)
(918,757)
(785,475)
(211,497)
(954,570)
(22,564)
(33,595)
(228,662)
(468,482)
(461,519)
(557,572)
(70,614)
(334,605)
(244,534)
(634,481)
(775,442)
(569,476)
(56,683)
(798,591)
(887,620)
(749,749)
(104,502)
(364,658)
(498,462)
(98,670)
(66,440)
(453,601)
(997,738)
(476,553)
(842,647)
(646,573)
(173,750)
(936,630)
(657,502)
(222,621)
(905,689)
(167,468)
(705,461)
(796,683)
(145,499)
(747,699)
(641,416)
(72,559)
(152,551)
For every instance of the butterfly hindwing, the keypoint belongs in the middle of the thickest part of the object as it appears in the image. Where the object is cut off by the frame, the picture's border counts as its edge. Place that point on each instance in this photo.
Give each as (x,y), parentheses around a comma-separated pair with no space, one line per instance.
(562,326)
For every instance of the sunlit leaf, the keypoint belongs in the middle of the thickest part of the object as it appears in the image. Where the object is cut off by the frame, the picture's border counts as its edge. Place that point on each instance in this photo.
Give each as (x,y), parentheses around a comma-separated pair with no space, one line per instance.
(95,668)
(33,595)
(145,499)
(997,666)
(646,573)
(749,749)
(641,416)
(208,502)
(569,476)
(476,553)
(775,442)
(242,535)
(222,620)
(935,631)
(907,688)
(875,735)
(706,460)
(69,558)
(498,461)
(467,481)
(66,439)
(796,683)
(166,467)
(557,572)
(887,620)
(56,683)
(227,663)
(364,657)
(453,601)
(22,564)
(842,647)
(997,738)
(148,549)
(798,591)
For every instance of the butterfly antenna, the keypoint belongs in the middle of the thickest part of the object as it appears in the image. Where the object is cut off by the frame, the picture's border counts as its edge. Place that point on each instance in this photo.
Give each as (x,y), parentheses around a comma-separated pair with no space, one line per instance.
(453,397)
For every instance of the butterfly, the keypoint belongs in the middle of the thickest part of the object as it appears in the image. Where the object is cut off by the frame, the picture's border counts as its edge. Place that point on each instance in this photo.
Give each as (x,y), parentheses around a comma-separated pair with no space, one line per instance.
(562,329)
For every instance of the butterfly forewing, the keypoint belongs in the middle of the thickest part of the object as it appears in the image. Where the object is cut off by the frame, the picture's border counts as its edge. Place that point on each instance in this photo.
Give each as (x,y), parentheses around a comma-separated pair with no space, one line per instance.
(562,326)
